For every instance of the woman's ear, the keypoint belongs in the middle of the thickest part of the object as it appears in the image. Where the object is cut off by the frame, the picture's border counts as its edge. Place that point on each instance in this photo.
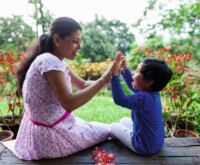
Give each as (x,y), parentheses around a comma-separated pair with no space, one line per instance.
(56,39)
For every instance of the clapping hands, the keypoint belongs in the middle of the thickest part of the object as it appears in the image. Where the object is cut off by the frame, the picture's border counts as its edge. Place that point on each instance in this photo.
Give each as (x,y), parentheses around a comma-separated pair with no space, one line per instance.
(120,64)
(115,68)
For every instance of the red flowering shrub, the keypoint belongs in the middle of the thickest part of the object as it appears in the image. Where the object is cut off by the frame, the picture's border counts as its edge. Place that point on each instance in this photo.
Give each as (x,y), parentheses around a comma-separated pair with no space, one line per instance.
(180,97)
(8,65)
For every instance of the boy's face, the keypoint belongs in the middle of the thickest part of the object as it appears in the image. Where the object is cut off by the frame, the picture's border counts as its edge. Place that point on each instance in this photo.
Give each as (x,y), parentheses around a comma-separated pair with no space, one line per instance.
(138,80)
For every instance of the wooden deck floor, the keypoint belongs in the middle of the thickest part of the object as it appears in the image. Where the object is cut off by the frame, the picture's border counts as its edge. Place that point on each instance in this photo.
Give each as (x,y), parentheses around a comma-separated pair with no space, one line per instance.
(183,151)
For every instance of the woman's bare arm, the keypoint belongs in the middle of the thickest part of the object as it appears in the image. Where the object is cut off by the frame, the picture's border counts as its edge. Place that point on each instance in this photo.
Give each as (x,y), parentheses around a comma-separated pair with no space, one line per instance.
(70,101)
(77,81)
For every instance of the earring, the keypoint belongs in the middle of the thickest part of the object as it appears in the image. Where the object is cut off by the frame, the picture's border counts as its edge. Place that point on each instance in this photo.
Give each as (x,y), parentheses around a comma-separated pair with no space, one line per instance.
(57,44)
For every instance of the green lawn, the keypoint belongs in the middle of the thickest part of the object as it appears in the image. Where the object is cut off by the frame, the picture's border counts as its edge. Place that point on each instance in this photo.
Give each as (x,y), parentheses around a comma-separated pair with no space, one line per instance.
(100,108)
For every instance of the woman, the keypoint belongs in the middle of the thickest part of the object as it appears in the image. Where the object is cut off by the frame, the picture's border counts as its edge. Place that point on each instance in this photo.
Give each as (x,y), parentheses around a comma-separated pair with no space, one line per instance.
(48,128)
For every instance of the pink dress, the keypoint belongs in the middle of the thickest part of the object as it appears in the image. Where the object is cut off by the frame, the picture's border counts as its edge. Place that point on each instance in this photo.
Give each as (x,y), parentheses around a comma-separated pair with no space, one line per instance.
(41,105)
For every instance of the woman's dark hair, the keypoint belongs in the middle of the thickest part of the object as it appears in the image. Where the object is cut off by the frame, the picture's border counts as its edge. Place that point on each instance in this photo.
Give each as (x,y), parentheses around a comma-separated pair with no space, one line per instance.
(63,26)
(156,70)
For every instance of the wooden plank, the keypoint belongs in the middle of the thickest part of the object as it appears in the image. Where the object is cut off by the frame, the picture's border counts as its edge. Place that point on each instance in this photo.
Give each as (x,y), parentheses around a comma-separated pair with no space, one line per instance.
(183,151)
(191,141)
(180,160)
(180,151)
(181,147)
(123,156)
(1,148)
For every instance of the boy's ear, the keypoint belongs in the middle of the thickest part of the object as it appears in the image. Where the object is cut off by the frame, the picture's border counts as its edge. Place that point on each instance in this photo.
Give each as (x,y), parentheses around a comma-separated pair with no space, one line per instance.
(149,82)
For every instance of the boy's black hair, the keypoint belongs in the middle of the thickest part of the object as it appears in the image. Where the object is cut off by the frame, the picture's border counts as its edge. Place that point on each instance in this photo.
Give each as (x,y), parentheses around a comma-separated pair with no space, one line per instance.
(156,70)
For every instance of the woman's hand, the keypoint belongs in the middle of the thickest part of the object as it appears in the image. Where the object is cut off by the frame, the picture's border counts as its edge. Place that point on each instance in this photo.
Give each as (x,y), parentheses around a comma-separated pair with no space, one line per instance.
(115,68)
(108,73)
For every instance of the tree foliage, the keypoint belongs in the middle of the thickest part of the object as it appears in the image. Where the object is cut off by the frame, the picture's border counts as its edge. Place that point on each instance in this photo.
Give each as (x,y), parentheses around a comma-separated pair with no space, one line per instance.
(178,23)
(42,16)
(15,33)
(103,38)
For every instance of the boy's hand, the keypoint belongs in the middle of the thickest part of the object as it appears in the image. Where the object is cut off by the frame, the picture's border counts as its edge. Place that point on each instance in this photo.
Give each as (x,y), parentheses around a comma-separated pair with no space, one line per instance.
(117,69)
(123,63)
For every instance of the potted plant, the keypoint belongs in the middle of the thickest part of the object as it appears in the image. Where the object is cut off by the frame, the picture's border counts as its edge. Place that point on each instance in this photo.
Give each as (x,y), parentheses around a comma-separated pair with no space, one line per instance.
(11,110)
(6,135)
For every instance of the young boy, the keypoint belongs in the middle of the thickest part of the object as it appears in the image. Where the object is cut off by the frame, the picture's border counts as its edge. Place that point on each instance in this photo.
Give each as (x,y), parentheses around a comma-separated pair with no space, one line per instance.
(144,134)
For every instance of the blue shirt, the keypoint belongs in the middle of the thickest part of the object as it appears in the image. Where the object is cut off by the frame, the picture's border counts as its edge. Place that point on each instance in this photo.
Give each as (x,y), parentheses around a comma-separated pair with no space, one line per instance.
(146,113)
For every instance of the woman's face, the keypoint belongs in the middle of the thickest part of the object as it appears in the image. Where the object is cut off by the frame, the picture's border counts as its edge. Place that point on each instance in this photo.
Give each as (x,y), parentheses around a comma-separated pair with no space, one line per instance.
(69,46)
